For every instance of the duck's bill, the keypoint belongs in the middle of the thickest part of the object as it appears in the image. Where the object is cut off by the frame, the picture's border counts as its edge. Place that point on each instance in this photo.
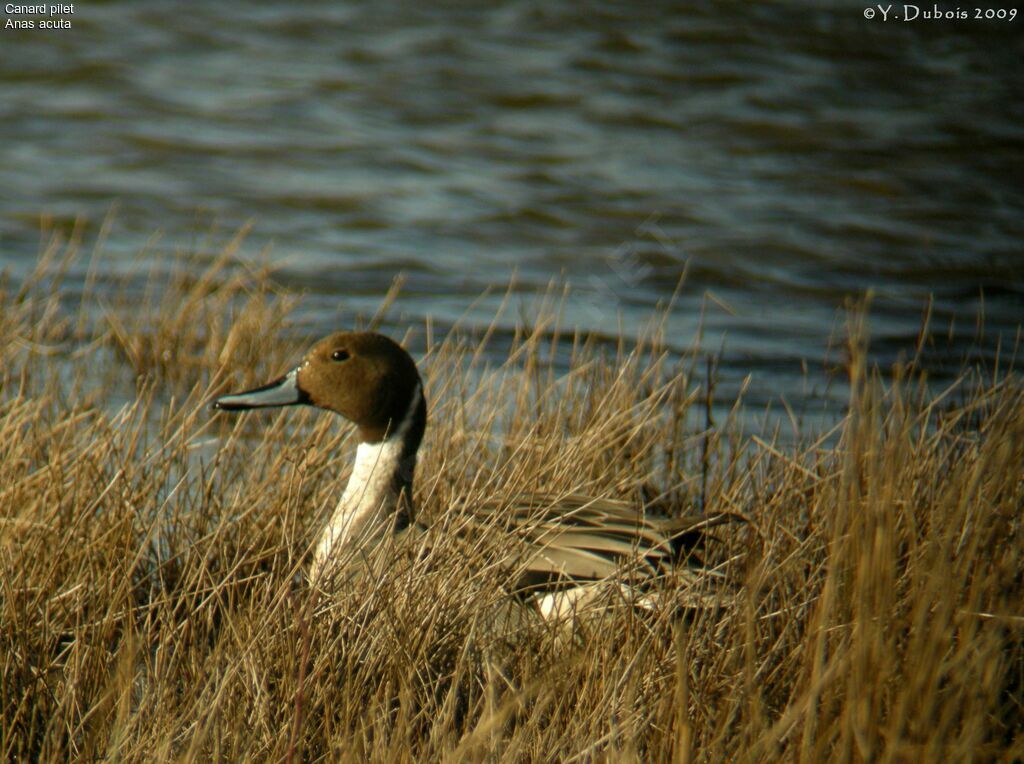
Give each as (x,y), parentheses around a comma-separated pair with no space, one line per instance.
(281,392)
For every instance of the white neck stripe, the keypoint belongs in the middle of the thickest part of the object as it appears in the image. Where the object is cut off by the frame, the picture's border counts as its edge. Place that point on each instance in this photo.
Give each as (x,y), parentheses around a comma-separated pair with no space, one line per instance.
(371,496)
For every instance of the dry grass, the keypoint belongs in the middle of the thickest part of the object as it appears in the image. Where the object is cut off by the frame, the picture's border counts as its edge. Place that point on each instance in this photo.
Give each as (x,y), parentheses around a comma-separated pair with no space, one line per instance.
(151,605)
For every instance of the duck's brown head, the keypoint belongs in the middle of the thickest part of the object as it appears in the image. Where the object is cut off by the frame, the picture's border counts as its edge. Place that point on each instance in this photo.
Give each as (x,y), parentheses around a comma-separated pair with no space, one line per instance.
(366,377)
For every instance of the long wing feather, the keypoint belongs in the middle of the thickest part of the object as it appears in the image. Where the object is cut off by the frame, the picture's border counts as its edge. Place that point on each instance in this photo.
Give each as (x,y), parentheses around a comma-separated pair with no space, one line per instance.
(583,537)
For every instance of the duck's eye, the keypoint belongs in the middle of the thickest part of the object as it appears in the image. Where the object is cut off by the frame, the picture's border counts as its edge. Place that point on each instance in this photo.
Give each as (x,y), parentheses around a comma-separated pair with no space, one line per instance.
(339,355)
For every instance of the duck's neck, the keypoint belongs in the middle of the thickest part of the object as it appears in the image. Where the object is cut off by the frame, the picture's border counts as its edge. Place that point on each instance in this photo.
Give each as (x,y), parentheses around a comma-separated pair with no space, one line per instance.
(378,497)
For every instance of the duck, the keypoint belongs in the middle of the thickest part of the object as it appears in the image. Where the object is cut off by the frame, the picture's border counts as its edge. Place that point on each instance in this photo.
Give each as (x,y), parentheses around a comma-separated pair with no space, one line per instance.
(572,548)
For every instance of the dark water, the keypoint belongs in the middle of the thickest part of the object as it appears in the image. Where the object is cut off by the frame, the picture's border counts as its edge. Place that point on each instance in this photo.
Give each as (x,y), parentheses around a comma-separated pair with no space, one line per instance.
(790,154)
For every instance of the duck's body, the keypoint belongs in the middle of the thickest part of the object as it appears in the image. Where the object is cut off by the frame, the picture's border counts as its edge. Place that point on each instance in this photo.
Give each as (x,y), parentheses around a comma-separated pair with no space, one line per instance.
(564,544)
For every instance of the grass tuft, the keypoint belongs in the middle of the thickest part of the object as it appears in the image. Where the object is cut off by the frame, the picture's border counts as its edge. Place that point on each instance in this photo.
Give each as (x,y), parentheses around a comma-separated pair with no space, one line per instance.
(152,604)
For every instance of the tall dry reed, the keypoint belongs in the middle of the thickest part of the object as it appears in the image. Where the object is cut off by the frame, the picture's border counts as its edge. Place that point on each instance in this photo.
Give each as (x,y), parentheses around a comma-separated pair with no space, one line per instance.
(152,605)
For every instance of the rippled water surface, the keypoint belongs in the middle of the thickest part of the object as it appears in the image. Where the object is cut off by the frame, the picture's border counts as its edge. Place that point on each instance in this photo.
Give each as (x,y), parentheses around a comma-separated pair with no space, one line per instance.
(787,154)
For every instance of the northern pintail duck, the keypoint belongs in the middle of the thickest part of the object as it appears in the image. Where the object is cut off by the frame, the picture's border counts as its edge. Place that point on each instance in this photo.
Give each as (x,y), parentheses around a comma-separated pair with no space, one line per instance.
(568,543)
